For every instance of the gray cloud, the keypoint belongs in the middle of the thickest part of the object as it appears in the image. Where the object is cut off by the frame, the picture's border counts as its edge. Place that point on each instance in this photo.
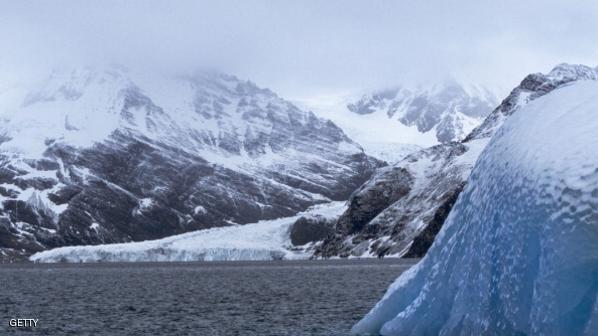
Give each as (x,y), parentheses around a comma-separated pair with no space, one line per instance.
(302,48)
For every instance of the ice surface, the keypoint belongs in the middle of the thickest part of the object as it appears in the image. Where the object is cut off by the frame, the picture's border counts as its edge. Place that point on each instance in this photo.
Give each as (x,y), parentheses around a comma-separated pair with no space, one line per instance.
(265,240)
(518,255)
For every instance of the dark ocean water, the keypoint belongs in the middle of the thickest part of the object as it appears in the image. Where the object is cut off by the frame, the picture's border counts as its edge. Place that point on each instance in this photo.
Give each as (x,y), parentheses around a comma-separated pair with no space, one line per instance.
(235,298)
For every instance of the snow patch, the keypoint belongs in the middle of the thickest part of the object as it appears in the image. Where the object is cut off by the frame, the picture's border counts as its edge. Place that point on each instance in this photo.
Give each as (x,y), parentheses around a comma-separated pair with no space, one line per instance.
(200,210)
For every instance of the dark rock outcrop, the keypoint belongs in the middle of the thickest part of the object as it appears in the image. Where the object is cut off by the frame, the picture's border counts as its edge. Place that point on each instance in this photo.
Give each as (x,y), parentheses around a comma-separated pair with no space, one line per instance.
(310,229)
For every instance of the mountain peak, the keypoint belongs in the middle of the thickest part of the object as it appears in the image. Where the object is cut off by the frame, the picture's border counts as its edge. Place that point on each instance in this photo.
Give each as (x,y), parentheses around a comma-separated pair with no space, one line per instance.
(448,109)
(82,106)
(570,72)
(531,87)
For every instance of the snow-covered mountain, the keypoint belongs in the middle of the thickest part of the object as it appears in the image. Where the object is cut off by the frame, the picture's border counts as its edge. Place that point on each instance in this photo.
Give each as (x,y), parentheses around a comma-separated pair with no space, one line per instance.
(393,123)
(399,211)
(379,138)
(446,112)
(518,253)
(95,156)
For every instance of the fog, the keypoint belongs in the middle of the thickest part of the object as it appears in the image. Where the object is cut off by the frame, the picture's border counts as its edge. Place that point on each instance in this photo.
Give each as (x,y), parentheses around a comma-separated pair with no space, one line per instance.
(304,48)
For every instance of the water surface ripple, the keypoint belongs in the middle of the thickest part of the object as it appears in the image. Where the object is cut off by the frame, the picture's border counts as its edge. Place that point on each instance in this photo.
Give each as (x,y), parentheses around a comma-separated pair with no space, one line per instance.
(234,298)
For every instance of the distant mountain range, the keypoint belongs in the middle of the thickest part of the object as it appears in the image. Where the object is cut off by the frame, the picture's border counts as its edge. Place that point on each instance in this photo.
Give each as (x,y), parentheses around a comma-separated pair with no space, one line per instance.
(392,123)
(449,110)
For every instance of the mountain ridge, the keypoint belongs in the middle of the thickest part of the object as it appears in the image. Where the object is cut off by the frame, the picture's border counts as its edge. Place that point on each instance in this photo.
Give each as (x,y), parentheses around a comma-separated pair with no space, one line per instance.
(449,109)
(104,157)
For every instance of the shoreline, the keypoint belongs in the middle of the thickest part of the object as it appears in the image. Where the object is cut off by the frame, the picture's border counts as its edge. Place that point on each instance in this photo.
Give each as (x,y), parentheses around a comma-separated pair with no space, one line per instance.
(235,263)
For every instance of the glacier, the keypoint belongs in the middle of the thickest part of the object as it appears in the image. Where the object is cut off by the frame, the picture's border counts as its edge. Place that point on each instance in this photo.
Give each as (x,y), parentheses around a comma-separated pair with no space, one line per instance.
(518,254)
(264,240)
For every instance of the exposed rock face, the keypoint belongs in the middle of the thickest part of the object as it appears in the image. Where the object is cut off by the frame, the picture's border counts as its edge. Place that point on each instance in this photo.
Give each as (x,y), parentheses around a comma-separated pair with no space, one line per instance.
(379,193)
(104,156)
(399,202)
(431,180)
(450,110)
(310,229)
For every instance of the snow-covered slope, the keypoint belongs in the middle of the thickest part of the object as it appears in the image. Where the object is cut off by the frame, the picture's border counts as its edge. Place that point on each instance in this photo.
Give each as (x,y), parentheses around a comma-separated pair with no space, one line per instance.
(446,112)
(265,240)
(389,152)
(518,254)
(108,155)
(399,211)
(384,140)
(390,124)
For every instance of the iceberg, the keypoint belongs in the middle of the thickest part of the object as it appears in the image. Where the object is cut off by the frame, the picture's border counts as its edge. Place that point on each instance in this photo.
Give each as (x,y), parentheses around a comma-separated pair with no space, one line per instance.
(518,254)
(264,240)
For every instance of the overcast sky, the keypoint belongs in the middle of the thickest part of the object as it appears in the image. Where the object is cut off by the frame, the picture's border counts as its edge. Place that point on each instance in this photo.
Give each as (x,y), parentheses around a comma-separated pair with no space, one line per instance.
(305,48)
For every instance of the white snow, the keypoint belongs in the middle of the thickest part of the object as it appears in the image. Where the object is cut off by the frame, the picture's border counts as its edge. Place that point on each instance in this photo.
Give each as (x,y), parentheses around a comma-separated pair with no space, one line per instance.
(389,151)
(79,107)
(200,210)
(518,254)
(84,106)
(374,128)
(264,240)
(382,134)
(144,204)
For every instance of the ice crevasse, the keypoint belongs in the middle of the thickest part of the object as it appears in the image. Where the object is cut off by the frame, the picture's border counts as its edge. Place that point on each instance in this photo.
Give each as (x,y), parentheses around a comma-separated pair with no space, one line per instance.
(518,255)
